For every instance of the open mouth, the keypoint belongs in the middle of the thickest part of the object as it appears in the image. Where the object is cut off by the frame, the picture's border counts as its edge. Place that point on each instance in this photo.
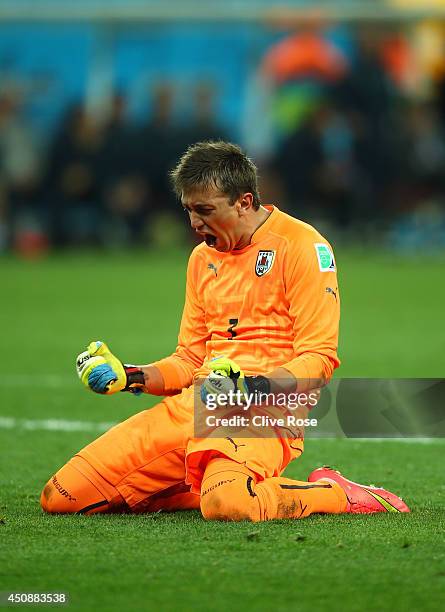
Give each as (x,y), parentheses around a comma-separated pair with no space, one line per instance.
(210,240)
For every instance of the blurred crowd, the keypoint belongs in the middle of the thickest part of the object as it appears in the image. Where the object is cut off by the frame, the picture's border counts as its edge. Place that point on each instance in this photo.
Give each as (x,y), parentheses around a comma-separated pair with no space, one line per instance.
(350,143)
(102,180)
(365,151)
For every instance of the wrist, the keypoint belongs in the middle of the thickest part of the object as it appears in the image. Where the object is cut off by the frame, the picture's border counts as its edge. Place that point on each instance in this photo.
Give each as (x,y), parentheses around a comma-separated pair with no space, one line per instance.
(257,384)
(153,380)
(135,379)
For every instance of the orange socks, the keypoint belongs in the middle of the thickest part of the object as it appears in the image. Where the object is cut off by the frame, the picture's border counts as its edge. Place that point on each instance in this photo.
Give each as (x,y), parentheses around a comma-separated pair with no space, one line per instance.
(285,498)
(70,491)
(229,492)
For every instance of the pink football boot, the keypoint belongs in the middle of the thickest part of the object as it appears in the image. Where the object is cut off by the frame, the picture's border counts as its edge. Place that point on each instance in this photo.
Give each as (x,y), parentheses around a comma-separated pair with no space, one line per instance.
(362,499)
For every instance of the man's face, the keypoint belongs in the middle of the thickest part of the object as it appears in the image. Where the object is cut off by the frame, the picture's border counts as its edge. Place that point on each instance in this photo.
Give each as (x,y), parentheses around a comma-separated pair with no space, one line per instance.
(217,221)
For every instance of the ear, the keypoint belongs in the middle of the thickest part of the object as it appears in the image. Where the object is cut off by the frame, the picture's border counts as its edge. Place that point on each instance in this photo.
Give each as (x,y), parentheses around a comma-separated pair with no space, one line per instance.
(245,203)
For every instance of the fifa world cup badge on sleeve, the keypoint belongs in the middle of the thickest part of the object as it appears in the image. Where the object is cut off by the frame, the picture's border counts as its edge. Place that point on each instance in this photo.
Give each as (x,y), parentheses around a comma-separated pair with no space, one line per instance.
(325,256)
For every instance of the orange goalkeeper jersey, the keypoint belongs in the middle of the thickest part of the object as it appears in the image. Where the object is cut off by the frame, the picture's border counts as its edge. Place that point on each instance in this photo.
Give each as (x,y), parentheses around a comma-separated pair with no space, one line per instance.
(272,304)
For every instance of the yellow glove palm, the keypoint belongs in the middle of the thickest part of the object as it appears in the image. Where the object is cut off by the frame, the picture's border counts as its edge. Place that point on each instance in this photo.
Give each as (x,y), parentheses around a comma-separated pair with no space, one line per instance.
(227,367)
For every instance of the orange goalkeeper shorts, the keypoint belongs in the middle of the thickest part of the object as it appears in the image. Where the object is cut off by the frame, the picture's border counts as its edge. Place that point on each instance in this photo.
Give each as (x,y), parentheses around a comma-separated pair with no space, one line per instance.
(155,451)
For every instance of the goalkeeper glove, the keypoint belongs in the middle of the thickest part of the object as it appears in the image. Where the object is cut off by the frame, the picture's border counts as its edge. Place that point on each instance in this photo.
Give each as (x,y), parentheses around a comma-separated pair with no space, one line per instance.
(102,372)
(224,370)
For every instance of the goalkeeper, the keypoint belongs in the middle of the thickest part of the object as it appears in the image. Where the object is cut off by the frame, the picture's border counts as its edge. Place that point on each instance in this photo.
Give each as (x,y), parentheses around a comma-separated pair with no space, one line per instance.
(261,313)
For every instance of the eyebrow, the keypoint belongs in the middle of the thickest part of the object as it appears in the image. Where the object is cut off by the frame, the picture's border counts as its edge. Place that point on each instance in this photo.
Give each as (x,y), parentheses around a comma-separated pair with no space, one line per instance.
(197,205)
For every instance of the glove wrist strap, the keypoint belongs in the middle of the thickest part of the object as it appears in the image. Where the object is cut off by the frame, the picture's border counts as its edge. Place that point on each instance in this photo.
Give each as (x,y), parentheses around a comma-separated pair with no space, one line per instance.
(135,378)
(257,384)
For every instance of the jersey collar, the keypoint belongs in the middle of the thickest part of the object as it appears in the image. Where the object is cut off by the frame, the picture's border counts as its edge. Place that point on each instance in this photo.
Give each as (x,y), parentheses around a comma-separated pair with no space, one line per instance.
(262,230)
(258,234)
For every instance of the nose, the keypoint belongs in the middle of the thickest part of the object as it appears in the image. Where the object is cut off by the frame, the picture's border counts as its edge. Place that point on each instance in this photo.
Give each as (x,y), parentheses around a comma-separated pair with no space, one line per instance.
(195,221)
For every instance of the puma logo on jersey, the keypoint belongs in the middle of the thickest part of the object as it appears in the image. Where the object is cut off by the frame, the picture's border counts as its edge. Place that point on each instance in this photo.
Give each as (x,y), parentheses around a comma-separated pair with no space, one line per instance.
(237,446)
(211,266)
(330,290)
(264,262)
(214,267)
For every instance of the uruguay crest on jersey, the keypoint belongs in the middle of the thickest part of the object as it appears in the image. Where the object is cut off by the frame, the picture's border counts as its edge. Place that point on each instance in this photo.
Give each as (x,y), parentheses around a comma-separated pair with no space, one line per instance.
(264,262)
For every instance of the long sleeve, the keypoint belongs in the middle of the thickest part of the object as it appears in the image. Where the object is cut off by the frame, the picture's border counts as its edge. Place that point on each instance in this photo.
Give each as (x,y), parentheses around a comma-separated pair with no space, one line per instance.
(177,369)
(314,306)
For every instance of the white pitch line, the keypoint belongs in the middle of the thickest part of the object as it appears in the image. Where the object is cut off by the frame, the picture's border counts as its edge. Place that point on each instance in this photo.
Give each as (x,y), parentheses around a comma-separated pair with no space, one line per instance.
(7,422)
(39,381)
(53,424)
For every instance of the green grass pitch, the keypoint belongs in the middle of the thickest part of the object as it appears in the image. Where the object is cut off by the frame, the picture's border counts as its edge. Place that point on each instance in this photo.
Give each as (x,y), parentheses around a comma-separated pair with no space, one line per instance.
(392,326)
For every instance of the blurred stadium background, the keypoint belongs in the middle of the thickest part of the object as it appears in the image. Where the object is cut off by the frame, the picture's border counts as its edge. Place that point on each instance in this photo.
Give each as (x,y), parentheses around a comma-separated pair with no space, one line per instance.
(342,105)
